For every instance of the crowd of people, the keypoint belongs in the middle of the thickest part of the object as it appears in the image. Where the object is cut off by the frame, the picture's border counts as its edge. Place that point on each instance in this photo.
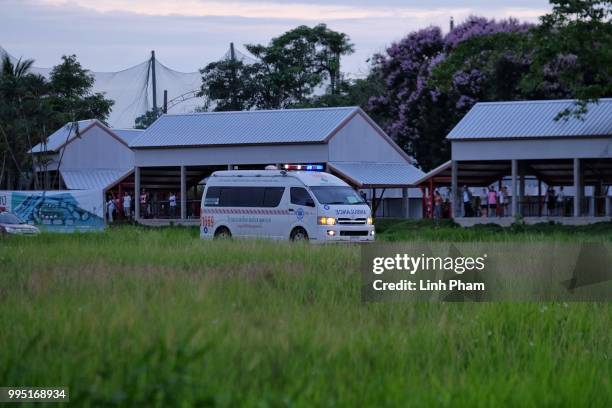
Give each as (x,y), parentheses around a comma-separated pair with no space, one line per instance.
(123,207)
(493,203)
(490,203)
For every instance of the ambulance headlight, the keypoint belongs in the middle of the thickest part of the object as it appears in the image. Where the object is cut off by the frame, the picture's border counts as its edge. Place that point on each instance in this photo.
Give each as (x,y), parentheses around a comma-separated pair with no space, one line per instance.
(370,221)
(327,221)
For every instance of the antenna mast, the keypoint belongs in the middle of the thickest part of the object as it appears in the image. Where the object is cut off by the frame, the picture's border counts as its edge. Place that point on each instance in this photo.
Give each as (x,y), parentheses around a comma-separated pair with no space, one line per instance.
(154,81)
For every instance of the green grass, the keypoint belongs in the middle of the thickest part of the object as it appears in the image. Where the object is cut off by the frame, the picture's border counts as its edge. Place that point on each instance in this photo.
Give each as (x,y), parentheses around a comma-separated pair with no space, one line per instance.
(141,317)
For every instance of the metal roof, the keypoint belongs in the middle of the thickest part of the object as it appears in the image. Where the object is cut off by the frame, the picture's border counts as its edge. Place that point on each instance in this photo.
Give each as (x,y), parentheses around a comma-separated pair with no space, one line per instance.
(128,135)
(92,179)
(62,136)
(367,174)
(532,119)
(246,127)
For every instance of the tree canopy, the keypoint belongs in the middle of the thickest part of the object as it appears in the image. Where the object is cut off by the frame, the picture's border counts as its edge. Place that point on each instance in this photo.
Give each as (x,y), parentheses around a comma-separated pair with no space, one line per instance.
(287,72)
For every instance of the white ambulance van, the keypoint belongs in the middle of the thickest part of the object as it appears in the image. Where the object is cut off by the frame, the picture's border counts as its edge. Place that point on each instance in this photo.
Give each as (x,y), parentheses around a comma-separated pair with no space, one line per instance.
(278,204)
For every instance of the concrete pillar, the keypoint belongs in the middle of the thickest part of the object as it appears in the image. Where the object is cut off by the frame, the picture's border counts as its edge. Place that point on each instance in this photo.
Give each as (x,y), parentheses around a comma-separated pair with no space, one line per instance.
(136,201)
(183,192)
(514,187)
(405,203)
(609,206)
(577,188)
(455,212)
(229,167)
(592,205)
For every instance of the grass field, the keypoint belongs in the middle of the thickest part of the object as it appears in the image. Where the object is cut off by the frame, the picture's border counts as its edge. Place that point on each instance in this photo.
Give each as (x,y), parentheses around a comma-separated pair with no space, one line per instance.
(140,317)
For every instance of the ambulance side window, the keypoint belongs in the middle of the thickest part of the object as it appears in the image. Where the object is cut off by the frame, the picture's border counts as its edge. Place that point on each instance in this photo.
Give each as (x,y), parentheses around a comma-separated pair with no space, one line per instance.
(212,197)
(272,196)
(299,196)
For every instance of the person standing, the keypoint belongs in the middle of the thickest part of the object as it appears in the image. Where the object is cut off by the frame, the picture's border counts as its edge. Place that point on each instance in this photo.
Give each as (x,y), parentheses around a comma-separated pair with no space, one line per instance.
(492,201)
(561,202)
(143,203)
(483,203)
(502,202)
(438,202)
(506,200)
(172,203)
(127,205)
(467,202)
(110,208)
(550,201)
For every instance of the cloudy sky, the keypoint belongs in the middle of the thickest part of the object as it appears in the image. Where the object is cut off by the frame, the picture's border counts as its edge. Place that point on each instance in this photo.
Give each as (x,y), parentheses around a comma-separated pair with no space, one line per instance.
(110,35)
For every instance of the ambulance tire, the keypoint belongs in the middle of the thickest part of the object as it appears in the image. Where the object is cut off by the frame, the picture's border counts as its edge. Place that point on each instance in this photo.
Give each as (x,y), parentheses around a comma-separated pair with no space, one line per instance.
(223,233)
(299,234)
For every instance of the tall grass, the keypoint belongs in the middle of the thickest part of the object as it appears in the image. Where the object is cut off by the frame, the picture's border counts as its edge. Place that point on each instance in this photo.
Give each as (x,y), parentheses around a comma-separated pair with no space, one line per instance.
(139,317)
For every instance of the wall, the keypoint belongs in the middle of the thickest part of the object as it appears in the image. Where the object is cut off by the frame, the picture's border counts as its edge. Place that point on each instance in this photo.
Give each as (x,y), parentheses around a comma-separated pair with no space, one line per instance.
(205,156)
(359,141)
(560,148)
(97,149)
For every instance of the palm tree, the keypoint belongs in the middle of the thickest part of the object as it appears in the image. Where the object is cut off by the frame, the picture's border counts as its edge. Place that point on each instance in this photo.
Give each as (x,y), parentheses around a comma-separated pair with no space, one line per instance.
(17,70)
(12,76)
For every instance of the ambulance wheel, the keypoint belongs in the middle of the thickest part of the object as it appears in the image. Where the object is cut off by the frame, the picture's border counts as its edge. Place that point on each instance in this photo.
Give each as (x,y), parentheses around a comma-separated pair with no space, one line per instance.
(299,234)
(222,233)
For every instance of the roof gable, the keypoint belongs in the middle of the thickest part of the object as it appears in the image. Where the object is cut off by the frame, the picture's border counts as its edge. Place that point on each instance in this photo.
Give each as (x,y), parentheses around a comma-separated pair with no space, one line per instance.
(68,133)
(245,127)
(63,136)
(532,119)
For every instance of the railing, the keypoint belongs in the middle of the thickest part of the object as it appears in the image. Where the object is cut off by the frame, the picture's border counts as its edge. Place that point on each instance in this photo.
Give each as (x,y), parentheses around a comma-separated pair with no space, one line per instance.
(598,206)
(163,209)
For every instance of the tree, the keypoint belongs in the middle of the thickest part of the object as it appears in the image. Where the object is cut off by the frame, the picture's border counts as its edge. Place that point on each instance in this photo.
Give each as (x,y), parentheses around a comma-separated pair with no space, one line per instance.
(230,83)
(21,113)
(432,80)
(71,95)
(146,120)
(573,44)
(288,71)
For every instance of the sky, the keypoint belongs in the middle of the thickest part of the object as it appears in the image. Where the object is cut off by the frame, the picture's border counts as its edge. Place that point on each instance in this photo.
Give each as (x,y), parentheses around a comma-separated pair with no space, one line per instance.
(111,35)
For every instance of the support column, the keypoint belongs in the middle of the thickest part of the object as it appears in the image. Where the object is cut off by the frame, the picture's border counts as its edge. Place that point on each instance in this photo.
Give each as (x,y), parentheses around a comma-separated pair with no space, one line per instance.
(577,188)
(136,201)
(183,192)
(514,187)
(608,206)
(454,189)
(229,167)
(405,203)
(539,198)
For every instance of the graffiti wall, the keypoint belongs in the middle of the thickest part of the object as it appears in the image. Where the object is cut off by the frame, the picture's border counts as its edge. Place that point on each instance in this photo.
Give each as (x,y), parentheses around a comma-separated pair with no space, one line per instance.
(57,211)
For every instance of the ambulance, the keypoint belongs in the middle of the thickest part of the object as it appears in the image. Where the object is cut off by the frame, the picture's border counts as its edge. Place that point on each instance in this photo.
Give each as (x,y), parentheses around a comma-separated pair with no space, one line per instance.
(311,206)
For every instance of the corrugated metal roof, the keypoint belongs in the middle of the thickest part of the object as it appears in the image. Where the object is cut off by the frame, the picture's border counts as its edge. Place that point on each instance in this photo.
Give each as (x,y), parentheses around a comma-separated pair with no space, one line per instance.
(63,135)
(247,127)
(128,135)
(532,119)
(92,179)
(365,174)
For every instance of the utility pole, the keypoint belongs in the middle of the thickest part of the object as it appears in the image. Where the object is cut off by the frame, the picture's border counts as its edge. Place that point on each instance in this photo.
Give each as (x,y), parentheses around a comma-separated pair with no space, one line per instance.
(154,81)
(233,59)
(452,23)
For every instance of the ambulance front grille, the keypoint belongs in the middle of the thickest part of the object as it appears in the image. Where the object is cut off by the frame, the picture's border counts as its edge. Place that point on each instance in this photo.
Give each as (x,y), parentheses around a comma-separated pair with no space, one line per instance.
(352,221)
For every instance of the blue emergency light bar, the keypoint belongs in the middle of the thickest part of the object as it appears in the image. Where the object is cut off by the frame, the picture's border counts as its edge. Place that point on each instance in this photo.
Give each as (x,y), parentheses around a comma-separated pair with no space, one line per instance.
(307,167)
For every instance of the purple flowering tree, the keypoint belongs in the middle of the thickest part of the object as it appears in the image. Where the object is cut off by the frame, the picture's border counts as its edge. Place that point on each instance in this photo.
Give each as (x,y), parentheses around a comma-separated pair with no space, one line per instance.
(432,80)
